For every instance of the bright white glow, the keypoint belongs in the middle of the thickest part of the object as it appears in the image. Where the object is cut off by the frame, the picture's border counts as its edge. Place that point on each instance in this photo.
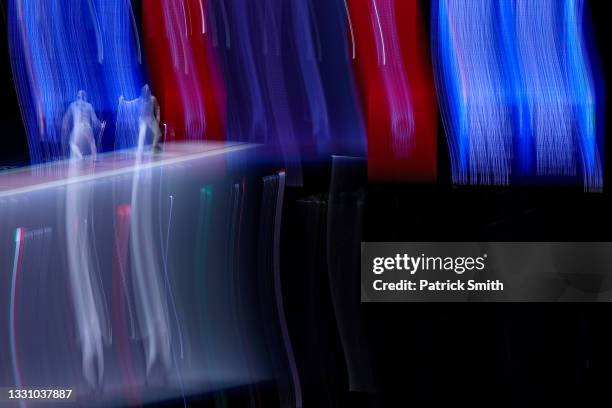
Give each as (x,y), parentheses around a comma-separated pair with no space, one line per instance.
(124,170)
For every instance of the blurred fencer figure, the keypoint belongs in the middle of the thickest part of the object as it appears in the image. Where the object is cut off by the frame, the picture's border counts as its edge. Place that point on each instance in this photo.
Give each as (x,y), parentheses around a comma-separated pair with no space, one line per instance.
(139,118)
(148,119)
(86,289)
(146,271)
(78,126)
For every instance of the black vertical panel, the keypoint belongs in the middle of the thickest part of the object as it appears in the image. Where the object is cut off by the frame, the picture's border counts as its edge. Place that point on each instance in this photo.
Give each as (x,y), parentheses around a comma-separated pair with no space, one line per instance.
(14,147)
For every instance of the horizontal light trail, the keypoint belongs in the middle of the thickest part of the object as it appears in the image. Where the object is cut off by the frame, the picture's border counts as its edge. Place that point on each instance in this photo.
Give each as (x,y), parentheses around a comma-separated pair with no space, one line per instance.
(128,163)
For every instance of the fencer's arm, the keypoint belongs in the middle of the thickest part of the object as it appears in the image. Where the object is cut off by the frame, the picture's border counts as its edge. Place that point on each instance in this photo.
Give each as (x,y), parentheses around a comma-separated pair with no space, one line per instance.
(94,117)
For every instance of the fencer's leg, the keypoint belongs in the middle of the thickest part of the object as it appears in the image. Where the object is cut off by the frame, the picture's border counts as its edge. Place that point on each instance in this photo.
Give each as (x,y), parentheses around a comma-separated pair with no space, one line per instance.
(92,146)
(156,138)
(142,134)
(75,152)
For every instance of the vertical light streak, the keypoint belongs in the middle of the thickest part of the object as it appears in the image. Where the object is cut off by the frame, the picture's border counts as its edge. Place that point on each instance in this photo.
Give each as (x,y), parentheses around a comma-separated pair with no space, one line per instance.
(167,277)
(547,94)
(59,47)
(121,302)
(380,37)
(19,235)
(151,304)
(350,24)
(584,98)
(337,51)
(517,91)
(476,117)
(246,120)
(395,79)
(313,87)
(260,92)
(94,19)
(184,69)
(202,17)
(277,185)
(275,77)
(170,293)
(86,291)
(397,91)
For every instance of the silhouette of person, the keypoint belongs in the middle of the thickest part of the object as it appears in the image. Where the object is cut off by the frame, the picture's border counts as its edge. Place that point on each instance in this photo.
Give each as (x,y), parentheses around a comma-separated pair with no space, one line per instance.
(79,123)
(148,119)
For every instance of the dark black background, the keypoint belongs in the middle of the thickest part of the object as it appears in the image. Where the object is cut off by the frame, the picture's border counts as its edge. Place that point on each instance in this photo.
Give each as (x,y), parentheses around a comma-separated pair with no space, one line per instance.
(499,354)
(14,150)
